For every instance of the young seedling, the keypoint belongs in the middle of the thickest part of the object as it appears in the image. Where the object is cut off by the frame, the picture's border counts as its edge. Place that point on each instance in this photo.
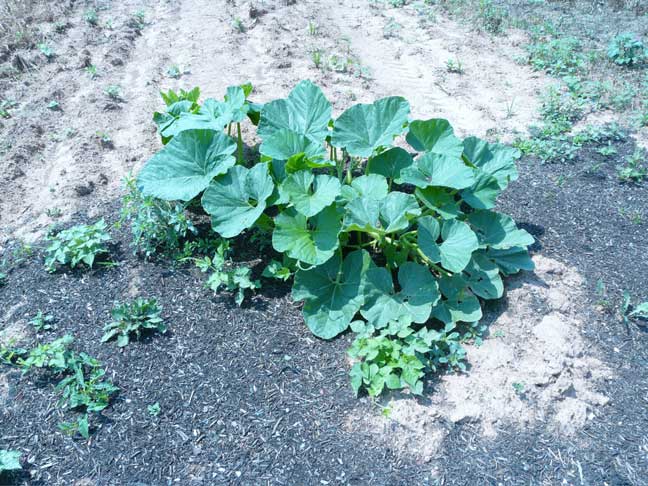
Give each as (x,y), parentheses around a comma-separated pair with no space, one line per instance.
(105,140)
(132,319)
(630,311)
(90,16)
(78,244)
(313,29)
(47,51)
(238,24)
(113,92)
(174,72)
(154,410)
(453,66)
(42,322)
(91,70)
(54,105)
(316,56)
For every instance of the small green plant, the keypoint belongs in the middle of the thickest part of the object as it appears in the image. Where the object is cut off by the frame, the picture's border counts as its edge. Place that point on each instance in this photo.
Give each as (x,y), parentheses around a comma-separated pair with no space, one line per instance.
(90,16)
(174,72)
(91,71)
(78,244)
(9,461)
(559,57)
(630,311)
(492,17)
(277,270)
(105,140)
(223,274)
(607,151)
(113,92)
(238,24)
(316,57)
(47,51)
(154,410)
(5,106)
(138,19)
(634,169)
(519,388)
(54,105)
(392,29)
(453,66)
(313,28)
(42,322)
(157,226)
(54,212)
(82,386)
(626,49)
(133,318)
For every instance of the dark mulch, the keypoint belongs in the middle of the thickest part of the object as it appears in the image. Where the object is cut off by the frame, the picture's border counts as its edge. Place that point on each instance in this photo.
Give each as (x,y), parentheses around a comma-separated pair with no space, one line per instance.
(248,396)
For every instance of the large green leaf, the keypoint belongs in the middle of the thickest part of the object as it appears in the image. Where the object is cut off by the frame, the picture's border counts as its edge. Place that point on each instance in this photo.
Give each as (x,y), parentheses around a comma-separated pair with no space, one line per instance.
(419,292)
(363,128)
(334,293)
(235,103)
(459,242)
(441,200)
(438,170)
(372,186)
(494,159)
(309,193)
(213,115)
(435,135)
(483,277)
(236,200)
(458,303)
(186,165)
(389,215)
(165,120)
(312,241)
(390,163)
(306,111)
(483,193)
(498,231)
(285,143)
(511,260)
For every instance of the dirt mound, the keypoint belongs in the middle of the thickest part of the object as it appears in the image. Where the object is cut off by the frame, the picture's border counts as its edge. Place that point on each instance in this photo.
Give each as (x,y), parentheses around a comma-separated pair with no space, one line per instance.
(534,368)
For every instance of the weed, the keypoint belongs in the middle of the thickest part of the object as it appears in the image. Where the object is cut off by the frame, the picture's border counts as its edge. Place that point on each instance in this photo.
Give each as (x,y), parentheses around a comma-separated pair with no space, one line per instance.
(559,57)
(105,140)
(607,151)
(90,16)
(234,279)
(630,311)
(42,322)
(47,51)
(313,28)
(453,66)
(91,70)
(174,72)
(316,57)
(154,410)
(391,29)
(113,92)
(133,318)
(238,24)
(138,19)
(277,270)
(623,97)
(626,49)
(519,388)
(5,106)
(157,226)
(634,169)
(54,212)
(54,105)
(510,109)
(492,17)
(82,386)
(78,244)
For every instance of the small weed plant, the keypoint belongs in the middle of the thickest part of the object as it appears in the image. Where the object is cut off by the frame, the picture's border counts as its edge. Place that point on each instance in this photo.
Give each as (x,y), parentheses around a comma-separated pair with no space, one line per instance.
(635,168)
(82,386)
(42,322)
(626,49)
(397,245)
(133,318)
(76,245)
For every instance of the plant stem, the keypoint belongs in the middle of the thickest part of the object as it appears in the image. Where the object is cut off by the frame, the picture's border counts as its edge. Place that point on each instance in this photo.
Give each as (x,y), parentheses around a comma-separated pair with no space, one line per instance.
(229,129)
(239,143)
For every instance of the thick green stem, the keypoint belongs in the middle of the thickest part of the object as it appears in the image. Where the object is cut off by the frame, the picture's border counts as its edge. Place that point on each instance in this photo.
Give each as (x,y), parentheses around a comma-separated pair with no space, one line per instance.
(239,143)
(229,129)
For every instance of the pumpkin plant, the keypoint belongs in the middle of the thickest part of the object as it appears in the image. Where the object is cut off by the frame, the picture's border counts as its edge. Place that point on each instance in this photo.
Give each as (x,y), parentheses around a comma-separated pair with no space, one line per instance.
(387,222)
